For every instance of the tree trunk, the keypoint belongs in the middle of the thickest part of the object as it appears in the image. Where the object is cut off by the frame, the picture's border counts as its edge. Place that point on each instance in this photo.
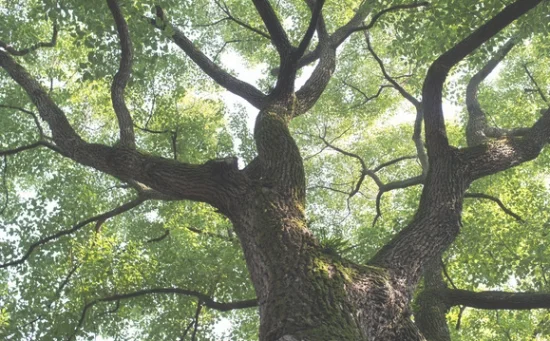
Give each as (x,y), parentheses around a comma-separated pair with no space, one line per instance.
(305,292)
(308,293)
(430,308)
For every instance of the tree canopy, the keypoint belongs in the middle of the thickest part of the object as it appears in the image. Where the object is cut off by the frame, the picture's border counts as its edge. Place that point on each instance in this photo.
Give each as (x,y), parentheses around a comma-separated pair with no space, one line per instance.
(127,126)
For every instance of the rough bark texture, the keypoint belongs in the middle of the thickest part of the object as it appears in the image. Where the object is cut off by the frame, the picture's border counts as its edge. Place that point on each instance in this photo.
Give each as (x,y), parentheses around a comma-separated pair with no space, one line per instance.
(305,293)
(431,306)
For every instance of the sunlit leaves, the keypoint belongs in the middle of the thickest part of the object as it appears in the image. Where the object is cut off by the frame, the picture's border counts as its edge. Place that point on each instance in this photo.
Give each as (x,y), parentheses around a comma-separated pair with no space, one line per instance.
(178,114)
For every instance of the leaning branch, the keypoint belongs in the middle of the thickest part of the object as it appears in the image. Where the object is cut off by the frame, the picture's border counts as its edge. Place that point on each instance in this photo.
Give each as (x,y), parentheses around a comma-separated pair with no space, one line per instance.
(160,238)
(14,151)
(206,300)
(101,217)
(125,123)
(416,103)
(220,76)
(387,10)
(537,87)
(14,52)
(382,187)
(394,161)
(315,16)
(34,145)
(417,134)
(28,112)
(210,234)
(206,182)
(354,25)
(495,200)
(477,128)
(5,185)
(366,98)
(436,135)
(223,7)
(278,35)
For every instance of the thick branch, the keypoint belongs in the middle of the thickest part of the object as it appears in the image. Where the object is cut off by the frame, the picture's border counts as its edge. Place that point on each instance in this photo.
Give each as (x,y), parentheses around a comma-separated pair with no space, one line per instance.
(278,35)
(500,155)
(498,299)
(310,92)
(430,308)
(289,58)
(220,76)
(101,217)
(508,151)
(354,25)
(125,123)
(63,134)
(436,135)
(15,52)
(207,182)
(322,33)
(315,17)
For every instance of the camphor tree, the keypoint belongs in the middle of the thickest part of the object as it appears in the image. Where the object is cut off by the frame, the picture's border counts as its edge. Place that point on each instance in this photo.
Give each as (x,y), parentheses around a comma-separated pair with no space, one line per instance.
(331,224)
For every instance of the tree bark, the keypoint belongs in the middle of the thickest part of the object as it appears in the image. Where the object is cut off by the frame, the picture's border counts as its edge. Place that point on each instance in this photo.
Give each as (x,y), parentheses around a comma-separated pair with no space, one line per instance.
(304,291)
(431,307)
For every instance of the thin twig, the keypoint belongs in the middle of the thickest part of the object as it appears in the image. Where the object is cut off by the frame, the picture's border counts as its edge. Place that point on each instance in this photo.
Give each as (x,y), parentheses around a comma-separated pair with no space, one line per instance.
(158,239)
(389,163)
(28,112)
(116,211)
(532,78)
(196,324)
(497,201)
(206,300)
(223,6)
(365,96)
(5,185)
(387,10)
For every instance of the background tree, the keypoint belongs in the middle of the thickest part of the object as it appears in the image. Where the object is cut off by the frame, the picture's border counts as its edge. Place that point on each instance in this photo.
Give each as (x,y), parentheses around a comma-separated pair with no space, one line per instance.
(325,222)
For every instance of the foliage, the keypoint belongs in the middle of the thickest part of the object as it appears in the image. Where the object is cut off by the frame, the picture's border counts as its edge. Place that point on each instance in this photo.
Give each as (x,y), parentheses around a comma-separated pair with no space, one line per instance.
(186,116)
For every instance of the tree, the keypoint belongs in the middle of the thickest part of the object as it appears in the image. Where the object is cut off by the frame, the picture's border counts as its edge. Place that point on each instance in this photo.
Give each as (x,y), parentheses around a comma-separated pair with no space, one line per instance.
(170,210)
